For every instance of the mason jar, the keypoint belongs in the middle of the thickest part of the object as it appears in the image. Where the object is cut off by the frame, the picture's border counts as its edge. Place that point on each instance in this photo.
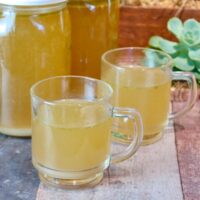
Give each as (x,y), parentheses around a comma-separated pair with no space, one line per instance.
(94,26)
(34,44)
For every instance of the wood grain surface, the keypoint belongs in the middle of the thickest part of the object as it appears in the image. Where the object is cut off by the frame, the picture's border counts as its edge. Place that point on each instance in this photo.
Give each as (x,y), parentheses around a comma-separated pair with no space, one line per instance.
(188,149)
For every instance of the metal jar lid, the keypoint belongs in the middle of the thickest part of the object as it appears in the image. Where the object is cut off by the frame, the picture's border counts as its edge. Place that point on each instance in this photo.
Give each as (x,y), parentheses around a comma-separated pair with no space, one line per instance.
(30,2)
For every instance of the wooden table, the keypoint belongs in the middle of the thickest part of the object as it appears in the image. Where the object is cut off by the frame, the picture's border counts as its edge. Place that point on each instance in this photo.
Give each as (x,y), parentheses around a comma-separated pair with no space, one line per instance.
(187,131)
(169,169)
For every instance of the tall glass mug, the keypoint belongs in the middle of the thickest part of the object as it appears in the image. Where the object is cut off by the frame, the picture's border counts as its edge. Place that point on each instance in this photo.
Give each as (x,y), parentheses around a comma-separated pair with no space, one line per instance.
(141,78)
(34,44)
(71,124)
(94,26)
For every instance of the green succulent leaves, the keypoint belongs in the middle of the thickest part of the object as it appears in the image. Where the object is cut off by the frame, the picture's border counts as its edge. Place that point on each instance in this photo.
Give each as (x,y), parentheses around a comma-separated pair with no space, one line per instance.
(185,52)
(163,44)
(175,26)
(191,33)
(183,63)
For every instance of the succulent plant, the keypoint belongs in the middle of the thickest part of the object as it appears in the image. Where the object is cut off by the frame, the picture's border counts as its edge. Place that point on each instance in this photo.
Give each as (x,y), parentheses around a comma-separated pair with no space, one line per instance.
(185,52)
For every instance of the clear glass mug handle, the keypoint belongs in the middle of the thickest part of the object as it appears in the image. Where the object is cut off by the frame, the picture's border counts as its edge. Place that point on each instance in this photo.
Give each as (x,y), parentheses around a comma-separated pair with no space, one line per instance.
(135,117)
(191,81)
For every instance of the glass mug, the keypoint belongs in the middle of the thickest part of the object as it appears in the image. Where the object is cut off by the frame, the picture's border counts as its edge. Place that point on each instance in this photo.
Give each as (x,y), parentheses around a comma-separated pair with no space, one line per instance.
(141,78)
(34,44)
(71,130)
(94,30)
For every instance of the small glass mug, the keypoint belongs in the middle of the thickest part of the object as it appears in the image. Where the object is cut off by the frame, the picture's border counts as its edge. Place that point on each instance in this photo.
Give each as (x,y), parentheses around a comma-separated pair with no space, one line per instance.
(141,78)
(71,130)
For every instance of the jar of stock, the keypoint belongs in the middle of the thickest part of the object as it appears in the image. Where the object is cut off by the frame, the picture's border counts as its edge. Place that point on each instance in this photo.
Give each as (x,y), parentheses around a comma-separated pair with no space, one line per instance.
(34,44)
(94,26)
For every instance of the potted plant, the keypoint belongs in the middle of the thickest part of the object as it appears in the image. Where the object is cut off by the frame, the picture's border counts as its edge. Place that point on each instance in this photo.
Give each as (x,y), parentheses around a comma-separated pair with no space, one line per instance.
(141,19)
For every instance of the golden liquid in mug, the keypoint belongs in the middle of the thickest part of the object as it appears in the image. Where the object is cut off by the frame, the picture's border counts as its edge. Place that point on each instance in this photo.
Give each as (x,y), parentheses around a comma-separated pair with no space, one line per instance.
(73,135)
(147,90)
(32,47)
(94,26)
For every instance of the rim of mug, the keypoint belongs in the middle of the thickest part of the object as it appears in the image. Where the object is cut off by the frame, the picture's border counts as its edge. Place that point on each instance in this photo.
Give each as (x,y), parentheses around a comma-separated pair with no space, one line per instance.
(167,65)
(49,102)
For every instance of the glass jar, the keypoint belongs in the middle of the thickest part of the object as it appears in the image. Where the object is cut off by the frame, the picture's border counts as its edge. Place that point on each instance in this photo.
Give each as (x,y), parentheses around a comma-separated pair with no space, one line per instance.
(94,26)
(34,44)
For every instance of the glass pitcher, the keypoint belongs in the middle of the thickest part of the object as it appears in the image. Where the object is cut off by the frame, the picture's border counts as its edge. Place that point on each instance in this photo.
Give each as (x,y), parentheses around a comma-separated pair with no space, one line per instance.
(34,44)
(94,26)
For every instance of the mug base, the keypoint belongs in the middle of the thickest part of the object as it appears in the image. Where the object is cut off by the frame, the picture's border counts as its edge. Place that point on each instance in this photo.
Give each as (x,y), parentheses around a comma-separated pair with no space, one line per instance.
(124,139)
(71,179)
(71,183)
(151,138)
